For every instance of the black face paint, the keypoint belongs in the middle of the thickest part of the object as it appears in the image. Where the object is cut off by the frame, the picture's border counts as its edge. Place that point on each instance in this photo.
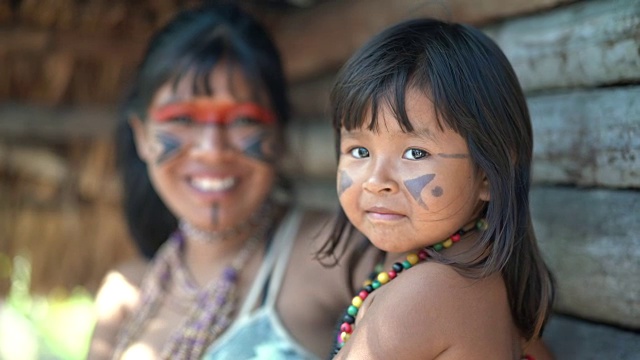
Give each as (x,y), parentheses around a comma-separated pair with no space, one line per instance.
(415,187)
(171,145)
(344,183)
(453,156)
(215,214)
(437,191)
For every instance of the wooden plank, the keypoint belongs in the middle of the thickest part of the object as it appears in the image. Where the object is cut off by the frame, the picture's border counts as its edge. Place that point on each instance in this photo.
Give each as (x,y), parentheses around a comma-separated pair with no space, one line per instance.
(585,44)
(56,124)
(589,239)
(588,138)
(320,39)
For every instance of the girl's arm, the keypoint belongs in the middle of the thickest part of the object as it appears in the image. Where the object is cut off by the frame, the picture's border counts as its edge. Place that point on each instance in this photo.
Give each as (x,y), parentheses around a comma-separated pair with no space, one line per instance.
(117,295)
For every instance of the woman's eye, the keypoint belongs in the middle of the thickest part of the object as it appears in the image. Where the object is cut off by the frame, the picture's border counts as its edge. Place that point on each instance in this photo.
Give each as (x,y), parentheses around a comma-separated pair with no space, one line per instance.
(414,154)
(359,152)
(244,121)
(181,119)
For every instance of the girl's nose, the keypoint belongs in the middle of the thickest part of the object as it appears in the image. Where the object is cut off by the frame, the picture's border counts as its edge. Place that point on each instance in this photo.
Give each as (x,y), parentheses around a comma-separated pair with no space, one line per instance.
(381,180)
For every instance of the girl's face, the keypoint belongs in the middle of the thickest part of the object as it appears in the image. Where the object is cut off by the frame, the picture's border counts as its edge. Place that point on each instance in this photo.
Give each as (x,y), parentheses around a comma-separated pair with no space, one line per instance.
(210,158)
(403,190)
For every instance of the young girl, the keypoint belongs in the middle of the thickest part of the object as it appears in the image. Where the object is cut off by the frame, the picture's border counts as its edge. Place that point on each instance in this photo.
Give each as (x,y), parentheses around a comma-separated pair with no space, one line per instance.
(232,274)
(435,147)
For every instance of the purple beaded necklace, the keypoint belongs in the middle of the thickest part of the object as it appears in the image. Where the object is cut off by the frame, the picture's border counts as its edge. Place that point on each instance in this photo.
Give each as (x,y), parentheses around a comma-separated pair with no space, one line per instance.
(211,307)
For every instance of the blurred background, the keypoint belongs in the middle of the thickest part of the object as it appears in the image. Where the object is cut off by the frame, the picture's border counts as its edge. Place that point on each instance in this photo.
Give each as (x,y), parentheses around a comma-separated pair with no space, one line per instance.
(65,63)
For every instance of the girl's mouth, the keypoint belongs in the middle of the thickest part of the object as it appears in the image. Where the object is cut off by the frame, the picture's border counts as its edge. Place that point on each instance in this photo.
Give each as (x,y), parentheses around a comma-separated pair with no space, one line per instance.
(212,184)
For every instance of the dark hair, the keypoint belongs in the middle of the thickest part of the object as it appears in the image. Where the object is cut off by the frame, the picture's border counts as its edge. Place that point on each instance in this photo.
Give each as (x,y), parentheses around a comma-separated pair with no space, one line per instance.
(476,93)
(195,41)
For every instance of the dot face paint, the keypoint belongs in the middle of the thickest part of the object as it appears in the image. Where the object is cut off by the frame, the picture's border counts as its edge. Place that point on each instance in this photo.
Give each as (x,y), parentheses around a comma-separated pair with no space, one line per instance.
(246,127)
(437,191)
(344,182)
(415,187)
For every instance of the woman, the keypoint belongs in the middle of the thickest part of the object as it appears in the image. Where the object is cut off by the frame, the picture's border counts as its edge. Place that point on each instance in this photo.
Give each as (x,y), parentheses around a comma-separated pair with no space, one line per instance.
(200,137)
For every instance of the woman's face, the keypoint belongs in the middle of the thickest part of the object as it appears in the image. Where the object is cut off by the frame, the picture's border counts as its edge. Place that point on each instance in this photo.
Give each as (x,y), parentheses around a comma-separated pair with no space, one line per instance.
(210,158)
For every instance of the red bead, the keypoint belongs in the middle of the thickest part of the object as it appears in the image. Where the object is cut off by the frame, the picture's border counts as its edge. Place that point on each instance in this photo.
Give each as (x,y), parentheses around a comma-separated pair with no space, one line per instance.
(455,237)
(423,255)
(392,274)
(345,327)
(363,294)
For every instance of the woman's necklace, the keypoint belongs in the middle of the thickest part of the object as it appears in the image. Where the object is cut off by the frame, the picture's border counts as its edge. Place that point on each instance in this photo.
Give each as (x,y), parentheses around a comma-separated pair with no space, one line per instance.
(379,278)
(212,306)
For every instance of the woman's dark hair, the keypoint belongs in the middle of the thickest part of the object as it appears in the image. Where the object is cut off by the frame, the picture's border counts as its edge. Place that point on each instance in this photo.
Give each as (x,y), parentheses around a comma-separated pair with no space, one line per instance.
(195,41)
(477,94)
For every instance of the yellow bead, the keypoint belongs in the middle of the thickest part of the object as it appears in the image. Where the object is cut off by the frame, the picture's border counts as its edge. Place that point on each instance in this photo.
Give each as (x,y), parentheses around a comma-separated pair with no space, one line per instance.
(367,282)
(447,243)
(383,277)
(345,336)
(357,301)
(413,259)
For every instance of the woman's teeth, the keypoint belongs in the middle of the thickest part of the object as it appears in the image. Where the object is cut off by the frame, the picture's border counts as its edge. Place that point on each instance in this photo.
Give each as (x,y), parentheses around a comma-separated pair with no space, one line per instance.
(211,184)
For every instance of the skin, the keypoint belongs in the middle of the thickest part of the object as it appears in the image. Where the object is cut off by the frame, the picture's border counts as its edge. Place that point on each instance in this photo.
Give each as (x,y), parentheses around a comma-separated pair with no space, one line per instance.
(412,190)
(217,151)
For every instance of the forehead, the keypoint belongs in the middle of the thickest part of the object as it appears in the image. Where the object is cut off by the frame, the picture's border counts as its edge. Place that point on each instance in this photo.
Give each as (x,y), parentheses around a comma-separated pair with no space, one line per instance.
(223,83)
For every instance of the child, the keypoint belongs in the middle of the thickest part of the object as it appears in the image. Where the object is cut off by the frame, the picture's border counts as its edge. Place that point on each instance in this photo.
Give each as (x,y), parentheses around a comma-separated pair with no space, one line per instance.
(435,146)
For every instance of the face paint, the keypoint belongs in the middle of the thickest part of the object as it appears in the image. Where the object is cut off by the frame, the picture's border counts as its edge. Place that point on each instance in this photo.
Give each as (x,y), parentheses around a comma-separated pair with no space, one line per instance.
(344,183)
(170,146)
(415,187)
(215,214)
(206,111)
(453,156)
(259,147)
(437,191)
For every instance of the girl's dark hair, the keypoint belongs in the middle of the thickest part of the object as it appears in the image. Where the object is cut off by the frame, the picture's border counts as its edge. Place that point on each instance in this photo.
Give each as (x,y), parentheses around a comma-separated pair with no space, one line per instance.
(194,42)
(476,93)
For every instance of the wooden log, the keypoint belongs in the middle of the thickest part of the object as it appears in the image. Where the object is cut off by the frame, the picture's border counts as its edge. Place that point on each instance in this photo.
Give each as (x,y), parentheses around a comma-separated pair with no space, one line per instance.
(320,39)
(586,44)
(587,138)
(589,239)
(55,124)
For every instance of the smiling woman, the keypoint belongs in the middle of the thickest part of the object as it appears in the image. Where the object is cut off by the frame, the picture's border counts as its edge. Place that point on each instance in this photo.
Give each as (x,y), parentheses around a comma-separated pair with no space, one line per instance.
(231,256)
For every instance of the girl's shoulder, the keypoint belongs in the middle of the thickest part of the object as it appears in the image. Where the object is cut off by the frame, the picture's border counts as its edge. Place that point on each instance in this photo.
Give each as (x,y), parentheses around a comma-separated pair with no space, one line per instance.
(120,286)
(434,311)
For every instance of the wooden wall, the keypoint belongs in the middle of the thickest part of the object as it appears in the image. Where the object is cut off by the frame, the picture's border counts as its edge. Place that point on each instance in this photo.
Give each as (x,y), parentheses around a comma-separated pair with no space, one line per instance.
(578,61)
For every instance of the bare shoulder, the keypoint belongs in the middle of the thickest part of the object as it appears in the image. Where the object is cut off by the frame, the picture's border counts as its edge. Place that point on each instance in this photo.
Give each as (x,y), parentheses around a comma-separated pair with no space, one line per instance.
(120,286)
(429,309)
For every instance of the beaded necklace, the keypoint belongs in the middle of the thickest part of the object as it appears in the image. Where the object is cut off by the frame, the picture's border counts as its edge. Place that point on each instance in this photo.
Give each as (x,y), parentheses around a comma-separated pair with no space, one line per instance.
(212,306)
(379,278)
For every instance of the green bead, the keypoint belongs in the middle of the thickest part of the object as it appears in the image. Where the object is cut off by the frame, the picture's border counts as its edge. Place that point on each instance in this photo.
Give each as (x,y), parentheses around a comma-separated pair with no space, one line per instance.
(406,264)
(352,310)
(376,284)
(437,247)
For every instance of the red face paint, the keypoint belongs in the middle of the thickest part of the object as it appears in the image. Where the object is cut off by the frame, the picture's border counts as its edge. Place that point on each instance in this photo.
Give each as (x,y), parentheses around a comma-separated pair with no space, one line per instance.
(203,111)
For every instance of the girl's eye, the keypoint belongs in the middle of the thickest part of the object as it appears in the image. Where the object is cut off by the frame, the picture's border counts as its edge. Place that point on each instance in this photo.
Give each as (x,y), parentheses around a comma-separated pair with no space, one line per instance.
(414,154)
(359,152)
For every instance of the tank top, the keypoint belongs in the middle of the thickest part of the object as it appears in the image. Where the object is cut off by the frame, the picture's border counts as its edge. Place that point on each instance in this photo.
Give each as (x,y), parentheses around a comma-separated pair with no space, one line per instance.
(258,332)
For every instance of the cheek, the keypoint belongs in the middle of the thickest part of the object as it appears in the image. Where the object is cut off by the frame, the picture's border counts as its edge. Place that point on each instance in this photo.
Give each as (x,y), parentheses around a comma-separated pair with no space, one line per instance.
(344,181)
(165,146)
(259,145)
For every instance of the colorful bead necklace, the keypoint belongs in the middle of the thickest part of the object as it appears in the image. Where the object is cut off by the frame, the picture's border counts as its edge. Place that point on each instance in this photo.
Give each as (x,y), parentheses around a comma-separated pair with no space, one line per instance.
(379,278)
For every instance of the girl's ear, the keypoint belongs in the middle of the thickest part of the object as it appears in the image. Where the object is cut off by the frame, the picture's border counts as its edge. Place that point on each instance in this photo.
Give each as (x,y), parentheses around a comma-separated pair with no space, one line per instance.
(140,137)
(485,190)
